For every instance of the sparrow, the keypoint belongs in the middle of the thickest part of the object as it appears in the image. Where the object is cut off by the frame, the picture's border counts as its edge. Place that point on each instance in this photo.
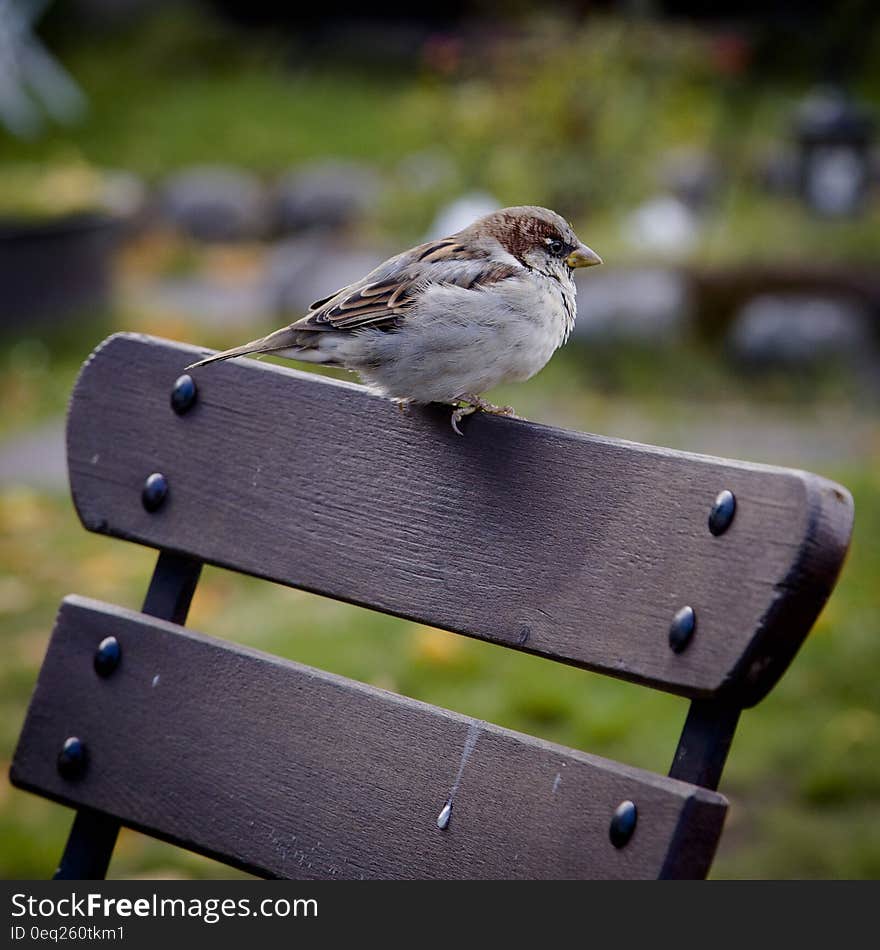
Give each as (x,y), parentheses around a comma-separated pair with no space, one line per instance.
(447,320)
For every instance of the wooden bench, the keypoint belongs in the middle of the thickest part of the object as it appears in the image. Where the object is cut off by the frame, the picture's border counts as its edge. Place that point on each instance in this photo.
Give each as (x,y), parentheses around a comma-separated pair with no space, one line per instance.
(689,574)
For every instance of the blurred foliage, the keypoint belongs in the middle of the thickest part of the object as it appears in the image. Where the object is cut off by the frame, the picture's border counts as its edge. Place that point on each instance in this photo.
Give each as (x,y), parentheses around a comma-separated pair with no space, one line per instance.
(584,117)
(180,89)
(46,190)
(37,372)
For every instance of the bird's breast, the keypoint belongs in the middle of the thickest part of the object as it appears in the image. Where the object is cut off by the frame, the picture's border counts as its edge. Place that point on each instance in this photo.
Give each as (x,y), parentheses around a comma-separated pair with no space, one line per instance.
(460,341)
(544,309)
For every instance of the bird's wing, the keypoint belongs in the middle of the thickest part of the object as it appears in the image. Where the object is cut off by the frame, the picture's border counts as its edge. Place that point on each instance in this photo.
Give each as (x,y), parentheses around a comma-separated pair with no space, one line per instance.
(382,298)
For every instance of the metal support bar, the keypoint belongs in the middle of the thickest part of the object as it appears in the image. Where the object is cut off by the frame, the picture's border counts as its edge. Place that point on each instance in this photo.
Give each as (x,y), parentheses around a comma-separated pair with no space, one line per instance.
(93,835)
(89,847)
(704,743)
(172,587)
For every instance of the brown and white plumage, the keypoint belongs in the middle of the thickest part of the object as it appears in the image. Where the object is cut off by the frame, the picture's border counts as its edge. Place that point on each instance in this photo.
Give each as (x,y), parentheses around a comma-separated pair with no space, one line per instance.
(449,319)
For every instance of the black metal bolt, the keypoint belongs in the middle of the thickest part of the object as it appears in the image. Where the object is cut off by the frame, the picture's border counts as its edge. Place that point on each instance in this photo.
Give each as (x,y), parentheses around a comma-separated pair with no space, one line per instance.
(722,512)
(183,396)
(155,491)
(682,628)
(623,824)
(73,758)
(107,656)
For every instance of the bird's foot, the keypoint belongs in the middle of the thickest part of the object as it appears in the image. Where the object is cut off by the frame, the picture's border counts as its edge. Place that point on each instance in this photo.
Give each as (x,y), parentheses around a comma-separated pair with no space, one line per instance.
(483,406)
(402,404)
(458,414)
(474,403)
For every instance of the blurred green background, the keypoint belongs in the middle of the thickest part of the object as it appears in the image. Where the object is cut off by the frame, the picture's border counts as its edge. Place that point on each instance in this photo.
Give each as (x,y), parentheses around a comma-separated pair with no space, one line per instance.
(202,171)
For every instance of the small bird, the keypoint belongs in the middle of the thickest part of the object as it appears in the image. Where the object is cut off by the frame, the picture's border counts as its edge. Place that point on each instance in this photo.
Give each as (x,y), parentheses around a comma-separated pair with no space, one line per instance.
(450,319)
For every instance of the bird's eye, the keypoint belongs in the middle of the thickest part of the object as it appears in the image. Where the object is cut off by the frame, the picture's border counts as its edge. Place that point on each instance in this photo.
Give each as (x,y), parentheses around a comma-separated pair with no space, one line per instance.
(555,246)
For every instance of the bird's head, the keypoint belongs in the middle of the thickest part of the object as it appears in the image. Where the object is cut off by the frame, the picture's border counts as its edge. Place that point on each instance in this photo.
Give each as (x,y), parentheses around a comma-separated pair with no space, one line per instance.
(538,238)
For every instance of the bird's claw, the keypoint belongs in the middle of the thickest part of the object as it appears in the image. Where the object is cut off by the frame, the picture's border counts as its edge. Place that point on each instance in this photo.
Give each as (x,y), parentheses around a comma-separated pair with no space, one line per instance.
(458,414)
(474,403)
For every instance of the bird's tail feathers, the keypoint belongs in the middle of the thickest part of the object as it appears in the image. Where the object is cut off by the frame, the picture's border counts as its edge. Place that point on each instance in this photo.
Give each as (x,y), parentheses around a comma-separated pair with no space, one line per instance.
(284,339)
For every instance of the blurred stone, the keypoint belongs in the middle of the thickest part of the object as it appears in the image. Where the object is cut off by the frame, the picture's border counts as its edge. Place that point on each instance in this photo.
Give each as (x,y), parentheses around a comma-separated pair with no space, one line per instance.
(650,306)
(427,170)
(215,203)
(37,458)
(829,116)
(799,330)
(206,302)
(778,171)
(834,134)
(290,264)
(662,225)
(692,176)
(122,193)
(325,197)
(461,212)
(874,162)
(304,270)
(834,179)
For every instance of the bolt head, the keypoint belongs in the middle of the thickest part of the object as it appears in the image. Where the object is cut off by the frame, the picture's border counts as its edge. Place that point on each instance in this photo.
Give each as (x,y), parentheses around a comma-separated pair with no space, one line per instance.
(184,394)
(107,656)
(623,823)
(155,491)
(723,510)
(73,758)
(682,629)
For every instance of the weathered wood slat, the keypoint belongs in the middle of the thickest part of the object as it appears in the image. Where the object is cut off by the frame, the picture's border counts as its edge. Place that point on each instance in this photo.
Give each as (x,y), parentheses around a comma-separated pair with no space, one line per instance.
(571,546)
(93,835)
(287,771)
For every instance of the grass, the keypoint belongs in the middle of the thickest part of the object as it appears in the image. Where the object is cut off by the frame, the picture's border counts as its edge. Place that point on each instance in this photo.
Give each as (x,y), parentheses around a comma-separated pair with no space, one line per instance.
(195,94)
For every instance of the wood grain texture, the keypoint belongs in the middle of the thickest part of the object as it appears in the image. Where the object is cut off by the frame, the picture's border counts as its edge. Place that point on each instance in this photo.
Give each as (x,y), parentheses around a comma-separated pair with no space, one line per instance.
(572,546)
(287,771)
(93,835)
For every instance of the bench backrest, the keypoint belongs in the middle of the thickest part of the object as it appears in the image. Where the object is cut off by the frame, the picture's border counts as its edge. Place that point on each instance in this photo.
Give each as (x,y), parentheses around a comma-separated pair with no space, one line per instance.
(694,575)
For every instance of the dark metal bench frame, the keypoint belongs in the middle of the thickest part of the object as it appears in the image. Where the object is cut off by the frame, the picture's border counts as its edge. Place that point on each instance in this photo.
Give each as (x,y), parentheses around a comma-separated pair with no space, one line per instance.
(517,503)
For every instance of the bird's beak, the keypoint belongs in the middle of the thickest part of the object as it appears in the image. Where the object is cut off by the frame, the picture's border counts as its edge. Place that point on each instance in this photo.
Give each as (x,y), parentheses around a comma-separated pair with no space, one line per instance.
(583,256)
